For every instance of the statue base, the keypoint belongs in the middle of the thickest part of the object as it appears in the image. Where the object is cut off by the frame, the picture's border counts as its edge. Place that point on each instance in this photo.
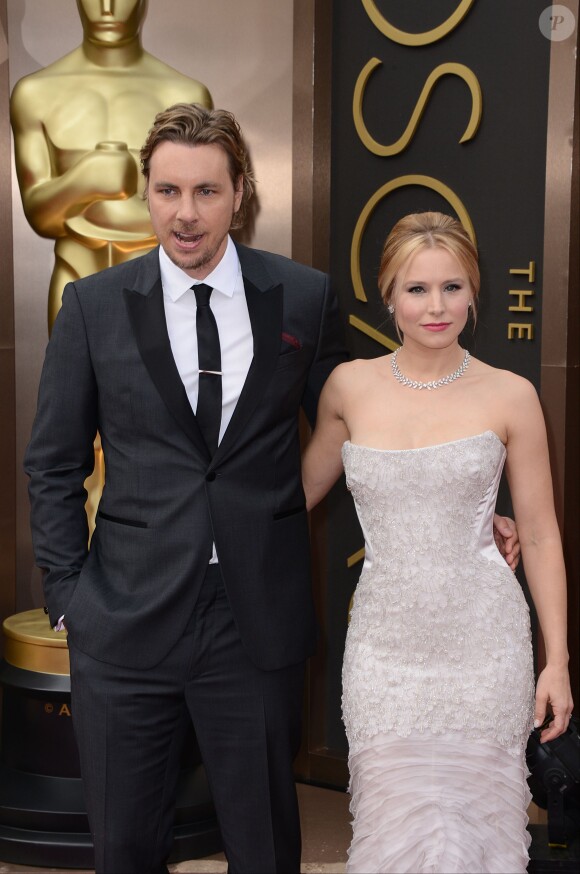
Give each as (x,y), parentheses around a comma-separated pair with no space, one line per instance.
(43,820)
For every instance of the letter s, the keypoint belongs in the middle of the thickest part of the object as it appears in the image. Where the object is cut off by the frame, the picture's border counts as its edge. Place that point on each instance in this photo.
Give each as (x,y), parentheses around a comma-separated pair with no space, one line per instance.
(448,69)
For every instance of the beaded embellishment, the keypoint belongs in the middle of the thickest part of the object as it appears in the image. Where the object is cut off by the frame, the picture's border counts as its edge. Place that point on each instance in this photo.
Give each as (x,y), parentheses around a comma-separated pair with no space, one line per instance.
(430,386)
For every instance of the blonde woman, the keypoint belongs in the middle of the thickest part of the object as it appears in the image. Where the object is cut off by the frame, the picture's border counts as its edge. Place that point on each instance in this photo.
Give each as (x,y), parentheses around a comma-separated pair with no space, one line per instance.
(438,684)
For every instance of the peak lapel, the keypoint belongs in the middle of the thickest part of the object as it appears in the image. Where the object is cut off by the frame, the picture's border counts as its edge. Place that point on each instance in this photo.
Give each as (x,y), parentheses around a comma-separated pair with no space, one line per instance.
(265,311)
(147,317)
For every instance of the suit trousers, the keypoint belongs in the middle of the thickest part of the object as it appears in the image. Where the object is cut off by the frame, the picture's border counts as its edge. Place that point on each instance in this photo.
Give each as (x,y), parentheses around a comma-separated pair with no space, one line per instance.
(130,725)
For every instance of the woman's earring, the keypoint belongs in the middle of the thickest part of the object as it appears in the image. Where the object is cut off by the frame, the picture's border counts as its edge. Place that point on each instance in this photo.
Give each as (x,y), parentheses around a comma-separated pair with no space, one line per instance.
(469,305)
(391,308)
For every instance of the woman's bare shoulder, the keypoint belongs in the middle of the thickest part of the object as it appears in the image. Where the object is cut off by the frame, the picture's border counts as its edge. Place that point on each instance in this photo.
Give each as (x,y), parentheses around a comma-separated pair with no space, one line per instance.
(362,366)
(507,383)
(351,375)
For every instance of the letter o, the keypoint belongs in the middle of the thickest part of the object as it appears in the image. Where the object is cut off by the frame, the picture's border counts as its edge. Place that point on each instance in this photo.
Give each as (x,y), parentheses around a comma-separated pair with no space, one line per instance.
(416,39)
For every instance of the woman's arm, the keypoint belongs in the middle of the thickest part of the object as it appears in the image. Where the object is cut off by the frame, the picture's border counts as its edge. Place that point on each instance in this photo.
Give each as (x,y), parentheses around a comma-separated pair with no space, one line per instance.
(529,477)
(322,460)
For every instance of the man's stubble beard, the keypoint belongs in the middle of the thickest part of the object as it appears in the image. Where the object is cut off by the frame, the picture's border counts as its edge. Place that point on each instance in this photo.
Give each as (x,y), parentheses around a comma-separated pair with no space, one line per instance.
(192,264)
(195,261)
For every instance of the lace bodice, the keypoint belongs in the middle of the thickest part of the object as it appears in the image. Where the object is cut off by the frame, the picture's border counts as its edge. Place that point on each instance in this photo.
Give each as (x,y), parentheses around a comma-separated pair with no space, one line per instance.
(439,638)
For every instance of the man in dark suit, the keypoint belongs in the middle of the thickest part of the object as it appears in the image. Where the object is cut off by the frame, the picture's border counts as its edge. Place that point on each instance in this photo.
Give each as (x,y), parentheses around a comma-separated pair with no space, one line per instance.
(195,594)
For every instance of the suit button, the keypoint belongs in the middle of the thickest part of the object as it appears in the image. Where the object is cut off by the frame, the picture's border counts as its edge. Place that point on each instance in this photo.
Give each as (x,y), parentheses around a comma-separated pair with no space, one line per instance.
(210,476)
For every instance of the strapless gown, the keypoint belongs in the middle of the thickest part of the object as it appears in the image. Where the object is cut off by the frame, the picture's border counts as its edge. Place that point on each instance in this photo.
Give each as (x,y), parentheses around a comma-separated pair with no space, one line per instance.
(438,684)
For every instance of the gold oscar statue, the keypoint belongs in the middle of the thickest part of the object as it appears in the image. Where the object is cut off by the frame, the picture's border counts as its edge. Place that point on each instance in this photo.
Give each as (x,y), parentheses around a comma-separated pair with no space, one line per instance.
(78,125)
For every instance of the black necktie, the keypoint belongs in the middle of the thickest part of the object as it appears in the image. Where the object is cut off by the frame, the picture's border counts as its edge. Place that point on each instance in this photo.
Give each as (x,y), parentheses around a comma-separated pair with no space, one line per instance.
(209,401)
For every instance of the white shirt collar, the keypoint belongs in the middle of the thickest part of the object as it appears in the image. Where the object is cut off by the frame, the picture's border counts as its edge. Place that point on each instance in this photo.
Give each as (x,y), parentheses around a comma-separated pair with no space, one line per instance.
(223,277)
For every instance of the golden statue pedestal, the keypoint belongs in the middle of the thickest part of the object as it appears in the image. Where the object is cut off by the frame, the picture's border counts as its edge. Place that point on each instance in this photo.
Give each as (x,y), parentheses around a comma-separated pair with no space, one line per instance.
(43,821)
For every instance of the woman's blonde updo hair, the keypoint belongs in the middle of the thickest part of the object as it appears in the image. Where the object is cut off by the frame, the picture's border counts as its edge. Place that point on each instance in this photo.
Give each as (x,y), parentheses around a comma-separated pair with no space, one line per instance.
(426,230)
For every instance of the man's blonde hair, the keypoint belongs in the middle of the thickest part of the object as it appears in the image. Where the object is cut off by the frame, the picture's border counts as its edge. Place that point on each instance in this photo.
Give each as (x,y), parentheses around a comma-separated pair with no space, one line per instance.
(194,125)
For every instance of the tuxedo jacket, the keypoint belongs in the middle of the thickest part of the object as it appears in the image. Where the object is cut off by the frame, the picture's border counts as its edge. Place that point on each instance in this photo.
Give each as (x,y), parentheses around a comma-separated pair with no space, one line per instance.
(109,369)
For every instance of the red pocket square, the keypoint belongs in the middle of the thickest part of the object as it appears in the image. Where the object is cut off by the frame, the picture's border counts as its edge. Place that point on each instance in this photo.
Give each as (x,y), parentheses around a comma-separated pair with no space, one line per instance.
(291,340)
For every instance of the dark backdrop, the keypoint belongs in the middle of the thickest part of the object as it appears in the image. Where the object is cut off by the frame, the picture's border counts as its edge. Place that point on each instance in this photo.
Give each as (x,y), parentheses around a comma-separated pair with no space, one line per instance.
(497,179)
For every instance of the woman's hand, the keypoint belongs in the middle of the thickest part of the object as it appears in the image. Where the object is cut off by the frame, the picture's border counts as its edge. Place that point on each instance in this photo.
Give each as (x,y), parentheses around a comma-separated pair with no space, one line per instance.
(507,539)
(553,689)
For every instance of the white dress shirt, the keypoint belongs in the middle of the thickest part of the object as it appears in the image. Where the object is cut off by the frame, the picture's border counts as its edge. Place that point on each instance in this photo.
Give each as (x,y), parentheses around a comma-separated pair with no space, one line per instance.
(228,304)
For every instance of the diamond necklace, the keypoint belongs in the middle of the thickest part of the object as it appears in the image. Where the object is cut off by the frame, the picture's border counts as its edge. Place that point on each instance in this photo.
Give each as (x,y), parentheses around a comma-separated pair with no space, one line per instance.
(445,380)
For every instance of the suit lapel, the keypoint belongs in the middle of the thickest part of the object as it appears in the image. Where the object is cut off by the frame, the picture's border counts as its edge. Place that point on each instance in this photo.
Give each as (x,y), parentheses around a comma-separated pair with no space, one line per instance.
(147,318)
(265,311)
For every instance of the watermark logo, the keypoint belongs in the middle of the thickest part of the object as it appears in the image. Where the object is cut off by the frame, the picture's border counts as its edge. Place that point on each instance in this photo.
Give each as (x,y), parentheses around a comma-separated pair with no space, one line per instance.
(557,22)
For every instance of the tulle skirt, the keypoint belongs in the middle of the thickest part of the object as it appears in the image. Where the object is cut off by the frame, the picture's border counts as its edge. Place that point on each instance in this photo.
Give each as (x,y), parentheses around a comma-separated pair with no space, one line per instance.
(438,803)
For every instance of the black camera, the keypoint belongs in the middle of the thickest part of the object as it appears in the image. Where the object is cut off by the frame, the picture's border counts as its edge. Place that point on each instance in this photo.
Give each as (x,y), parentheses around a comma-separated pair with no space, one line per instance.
(554,781)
